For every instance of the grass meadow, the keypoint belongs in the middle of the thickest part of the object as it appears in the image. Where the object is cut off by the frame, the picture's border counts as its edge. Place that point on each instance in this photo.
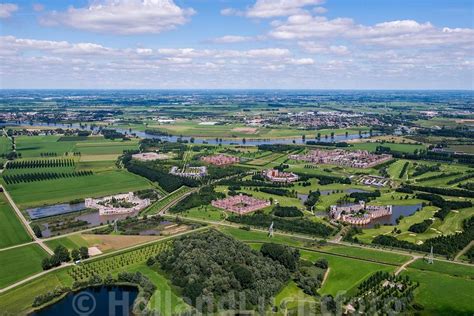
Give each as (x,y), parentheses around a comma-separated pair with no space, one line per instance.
(12,231)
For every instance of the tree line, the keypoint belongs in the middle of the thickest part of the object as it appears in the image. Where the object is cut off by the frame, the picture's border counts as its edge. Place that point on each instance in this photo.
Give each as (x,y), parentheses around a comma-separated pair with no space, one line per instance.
(43,176)
(50,163)
(297,225)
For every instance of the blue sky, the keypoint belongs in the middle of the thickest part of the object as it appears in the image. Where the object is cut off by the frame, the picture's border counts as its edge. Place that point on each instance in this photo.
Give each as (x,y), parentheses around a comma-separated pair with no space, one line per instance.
(310,44)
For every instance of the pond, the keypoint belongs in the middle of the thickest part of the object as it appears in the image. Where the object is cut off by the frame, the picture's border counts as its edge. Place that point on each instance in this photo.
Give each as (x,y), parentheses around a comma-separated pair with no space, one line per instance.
(397,210)
(104,300)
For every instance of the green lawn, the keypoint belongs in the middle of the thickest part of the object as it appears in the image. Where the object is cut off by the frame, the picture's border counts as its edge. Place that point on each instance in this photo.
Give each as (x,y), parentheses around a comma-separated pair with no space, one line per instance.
(370,254)
(12,231)
(442,294)
(19,263)
(345,273)
(66,189)
(292,298)
(259,236)
(457,270)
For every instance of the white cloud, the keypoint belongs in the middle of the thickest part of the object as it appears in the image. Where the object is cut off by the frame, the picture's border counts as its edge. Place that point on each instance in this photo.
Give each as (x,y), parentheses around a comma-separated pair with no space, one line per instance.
(403,33)
(320,10)
(6,9)
(232,39)
(123,16)
(320,48)
(273,8)
(301,61)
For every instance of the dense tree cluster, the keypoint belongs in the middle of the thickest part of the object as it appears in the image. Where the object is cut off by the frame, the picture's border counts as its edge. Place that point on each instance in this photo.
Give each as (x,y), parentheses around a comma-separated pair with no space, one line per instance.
(364,196)
(422,169)
(278,191)
(210,266)
(287,256)
(420,227)
(296,225)
(324,179)
(203,197)
(287,211)
(43,176)
(313,198)
(404,169)
(467,186)
(166,181)
(49,163)
(459,179)
(61,254)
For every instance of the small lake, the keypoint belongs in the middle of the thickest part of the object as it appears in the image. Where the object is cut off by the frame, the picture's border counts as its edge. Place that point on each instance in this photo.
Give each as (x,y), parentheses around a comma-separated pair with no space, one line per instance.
(52,210)
(97,301)
(397,210)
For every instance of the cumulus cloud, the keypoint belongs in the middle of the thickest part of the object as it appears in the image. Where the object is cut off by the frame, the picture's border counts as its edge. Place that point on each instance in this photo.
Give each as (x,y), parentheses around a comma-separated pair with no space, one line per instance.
(123,16)
(6,9)
(273,8)
(403,33)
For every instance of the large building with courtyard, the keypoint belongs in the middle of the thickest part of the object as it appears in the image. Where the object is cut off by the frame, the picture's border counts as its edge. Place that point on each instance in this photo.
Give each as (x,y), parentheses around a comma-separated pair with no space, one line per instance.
(359,214)
(241,204)
(280,176)
(221,160)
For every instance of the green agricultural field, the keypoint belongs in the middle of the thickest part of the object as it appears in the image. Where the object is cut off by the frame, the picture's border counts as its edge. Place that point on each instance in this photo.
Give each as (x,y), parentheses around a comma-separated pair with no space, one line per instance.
(442,294)
(66,189)
(33,146)
(5,145)
(12,231)
(345,273)
(19,263)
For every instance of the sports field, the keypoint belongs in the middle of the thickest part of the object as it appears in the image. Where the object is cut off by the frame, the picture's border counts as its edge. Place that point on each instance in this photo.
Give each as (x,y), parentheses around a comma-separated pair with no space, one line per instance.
(19,263)
(12,231)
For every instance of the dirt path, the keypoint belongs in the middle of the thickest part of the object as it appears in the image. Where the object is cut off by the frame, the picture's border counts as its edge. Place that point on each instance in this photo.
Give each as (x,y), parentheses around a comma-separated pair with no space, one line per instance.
(464,250)
(406,264)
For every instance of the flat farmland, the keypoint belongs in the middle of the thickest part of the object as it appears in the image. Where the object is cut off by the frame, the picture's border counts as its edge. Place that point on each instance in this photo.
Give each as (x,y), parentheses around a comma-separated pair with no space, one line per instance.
(19,263)
(34,146)
(66,189)
(12,231)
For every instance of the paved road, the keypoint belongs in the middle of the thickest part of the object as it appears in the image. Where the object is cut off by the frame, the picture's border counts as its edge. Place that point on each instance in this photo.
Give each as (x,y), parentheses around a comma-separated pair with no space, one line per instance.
(25,223)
